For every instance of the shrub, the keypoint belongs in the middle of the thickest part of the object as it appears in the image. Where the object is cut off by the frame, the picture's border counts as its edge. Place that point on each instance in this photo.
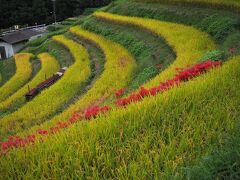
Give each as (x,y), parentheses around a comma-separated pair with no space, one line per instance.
(225,4)
(218,26)
(215,55)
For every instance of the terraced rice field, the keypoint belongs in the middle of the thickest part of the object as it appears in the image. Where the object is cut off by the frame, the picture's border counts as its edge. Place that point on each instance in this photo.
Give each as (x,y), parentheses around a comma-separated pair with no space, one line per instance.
(149,93)
(230,4)
(53,98)
(49,66)
(22,75)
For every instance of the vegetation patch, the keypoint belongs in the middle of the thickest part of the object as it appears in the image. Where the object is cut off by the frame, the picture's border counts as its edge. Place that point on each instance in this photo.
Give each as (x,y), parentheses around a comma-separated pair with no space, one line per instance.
(22,75)
(7,69)
(149,50)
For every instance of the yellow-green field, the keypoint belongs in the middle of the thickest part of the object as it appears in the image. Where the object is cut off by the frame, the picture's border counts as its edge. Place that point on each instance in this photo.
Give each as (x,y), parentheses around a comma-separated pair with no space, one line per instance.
(75,129)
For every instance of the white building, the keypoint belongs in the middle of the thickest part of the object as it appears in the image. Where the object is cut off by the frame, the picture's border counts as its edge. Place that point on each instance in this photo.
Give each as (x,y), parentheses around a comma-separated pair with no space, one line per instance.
(13,42)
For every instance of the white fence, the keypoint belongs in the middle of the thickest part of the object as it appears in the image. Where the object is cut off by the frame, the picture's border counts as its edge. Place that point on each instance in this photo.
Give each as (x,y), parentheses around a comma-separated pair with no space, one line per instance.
(40,28)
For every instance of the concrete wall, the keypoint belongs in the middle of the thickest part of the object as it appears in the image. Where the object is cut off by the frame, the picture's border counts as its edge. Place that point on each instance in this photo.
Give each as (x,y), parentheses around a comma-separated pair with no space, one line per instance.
(12,49)
(8,49)
(17,47)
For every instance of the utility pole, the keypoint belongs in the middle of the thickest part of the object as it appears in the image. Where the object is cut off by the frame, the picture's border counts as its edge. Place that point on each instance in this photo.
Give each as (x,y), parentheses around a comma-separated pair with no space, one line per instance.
(54,11)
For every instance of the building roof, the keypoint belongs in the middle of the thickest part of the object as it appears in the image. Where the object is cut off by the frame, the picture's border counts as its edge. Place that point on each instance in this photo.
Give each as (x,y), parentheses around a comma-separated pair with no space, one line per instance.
(19,36)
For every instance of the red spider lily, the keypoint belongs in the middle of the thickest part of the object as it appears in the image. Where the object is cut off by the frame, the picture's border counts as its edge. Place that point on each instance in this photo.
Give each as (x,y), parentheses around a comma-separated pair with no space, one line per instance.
(134,98)
(184,75)
(94,111)
(42,132)
(62,125)
(54,130)
(75,117)
(179,69)
(120,92)
(105,109)
(122,102)
(72,120)
(144,92)
(155,90)
(31,138)
(17,142)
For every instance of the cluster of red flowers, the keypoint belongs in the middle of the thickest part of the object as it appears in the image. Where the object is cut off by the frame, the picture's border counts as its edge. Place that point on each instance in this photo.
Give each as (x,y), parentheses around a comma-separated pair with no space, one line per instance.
(16,142)
(183,75)
(93,111)
(120,92)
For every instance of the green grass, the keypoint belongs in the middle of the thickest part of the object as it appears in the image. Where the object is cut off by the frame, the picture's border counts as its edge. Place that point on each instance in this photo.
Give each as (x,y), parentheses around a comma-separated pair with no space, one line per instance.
(219,24)
(222,163)
(149,139)
(223,4)
(62,54)
(7,69)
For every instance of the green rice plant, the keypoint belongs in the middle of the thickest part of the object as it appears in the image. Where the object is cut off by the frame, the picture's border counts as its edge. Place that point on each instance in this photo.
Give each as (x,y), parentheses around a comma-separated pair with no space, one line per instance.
(118,72)
(218,26)
(229,4)
(22,75)
(148,139)
(38,42)
(0,78)
(142,77)
(50,101)
(215,55)
(7,69)
(188,43)
(49,66)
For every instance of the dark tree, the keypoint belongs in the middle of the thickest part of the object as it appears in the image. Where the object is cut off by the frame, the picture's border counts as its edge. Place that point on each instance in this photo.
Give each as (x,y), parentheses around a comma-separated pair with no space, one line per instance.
(29,12)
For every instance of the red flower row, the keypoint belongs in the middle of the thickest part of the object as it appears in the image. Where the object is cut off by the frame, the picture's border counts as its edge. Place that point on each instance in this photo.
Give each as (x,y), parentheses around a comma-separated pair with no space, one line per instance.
(120,92)
(17,142)
(183,75)
(93,111)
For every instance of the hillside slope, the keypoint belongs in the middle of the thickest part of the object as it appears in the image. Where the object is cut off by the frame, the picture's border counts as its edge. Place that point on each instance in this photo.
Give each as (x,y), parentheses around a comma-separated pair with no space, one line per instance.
(151,92)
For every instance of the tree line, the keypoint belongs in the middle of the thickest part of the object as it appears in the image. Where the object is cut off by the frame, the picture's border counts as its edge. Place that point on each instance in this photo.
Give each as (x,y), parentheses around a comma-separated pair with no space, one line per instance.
(31,12)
